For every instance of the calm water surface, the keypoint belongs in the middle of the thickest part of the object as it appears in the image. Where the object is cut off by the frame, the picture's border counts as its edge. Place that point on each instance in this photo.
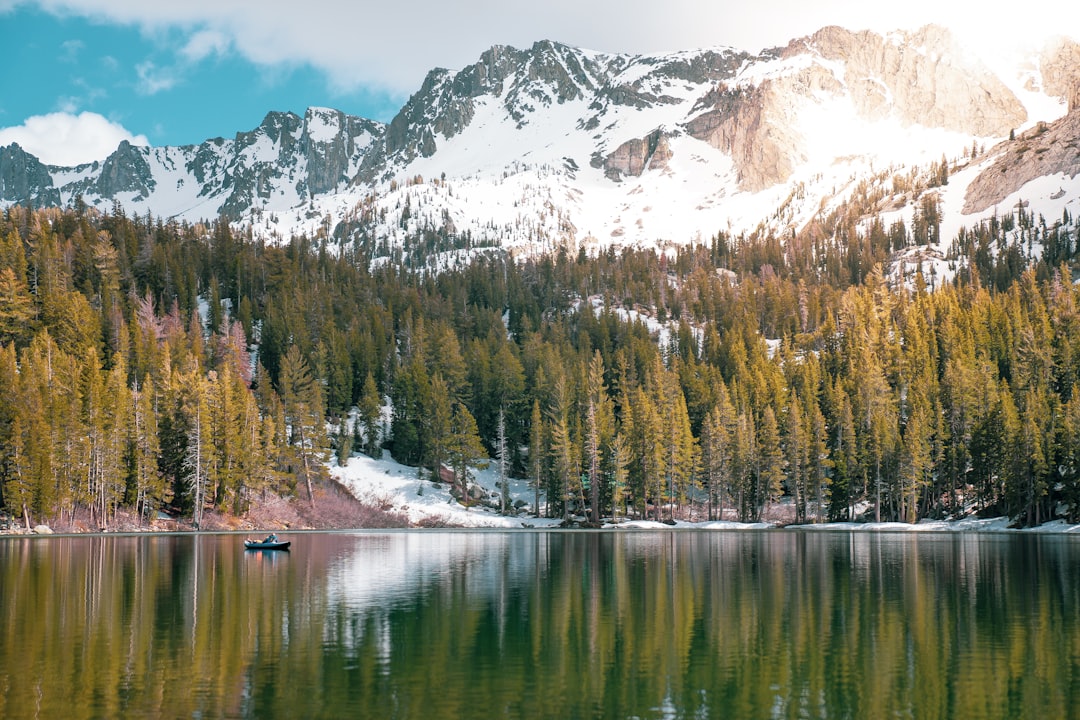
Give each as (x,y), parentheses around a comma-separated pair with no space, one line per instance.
(542,625)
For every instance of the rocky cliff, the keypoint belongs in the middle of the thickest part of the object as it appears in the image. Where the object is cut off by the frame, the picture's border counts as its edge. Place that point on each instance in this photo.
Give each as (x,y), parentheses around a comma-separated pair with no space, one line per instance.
(918,78)
(1059,64)
(1047,150)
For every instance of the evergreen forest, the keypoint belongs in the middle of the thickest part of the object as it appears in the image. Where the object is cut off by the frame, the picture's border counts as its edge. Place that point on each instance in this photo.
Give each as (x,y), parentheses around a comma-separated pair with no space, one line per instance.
(150,366)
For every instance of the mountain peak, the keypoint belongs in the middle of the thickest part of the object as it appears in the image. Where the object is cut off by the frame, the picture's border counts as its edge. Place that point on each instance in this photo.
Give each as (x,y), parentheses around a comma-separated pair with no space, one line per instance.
(556,144)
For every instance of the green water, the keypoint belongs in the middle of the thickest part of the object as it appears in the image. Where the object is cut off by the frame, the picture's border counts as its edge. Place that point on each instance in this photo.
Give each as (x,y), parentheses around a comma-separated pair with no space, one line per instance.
(542,625)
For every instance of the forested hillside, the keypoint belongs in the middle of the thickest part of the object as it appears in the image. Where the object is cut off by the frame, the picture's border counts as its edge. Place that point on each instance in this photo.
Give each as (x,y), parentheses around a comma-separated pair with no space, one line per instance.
(149,365)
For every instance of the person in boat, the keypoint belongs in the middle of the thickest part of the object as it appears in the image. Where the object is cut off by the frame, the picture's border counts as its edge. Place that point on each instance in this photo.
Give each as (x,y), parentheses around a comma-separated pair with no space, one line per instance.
(271,538)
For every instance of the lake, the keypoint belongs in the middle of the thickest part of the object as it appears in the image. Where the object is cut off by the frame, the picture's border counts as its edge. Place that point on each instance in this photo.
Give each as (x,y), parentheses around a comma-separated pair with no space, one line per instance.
(522,624)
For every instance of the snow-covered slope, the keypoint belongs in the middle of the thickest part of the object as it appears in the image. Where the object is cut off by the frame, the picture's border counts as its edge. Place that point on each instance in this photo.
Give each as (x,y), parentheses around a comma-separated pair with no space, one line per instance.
(557,146)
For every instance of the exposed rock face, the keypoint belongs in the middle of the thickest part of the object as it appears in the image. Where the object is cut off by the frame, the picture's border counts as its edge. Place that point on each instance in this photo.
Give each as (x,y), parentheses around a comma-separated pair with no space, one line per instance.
(1044,150)
(752,125)
(634,156)
(24,178)
(1060,66)
(329,143)
(126,170)
(927,79)
(316,154)
(256,164)
(402,138)
(710,66)
(548,73)
(917,78)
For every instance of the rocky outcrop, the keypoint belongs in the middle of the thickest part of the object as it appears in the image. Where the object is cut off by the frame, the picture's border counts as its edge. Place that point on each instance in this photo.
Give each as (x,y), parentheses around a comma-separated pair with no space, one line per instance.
(922,78)
(441,105)
(330,144)
(125,171)
(752,125)
(259,159)
(548,73)
(25,179)
(917,78)
(709,66)
(1045,150)
(634,156)
(1060,66)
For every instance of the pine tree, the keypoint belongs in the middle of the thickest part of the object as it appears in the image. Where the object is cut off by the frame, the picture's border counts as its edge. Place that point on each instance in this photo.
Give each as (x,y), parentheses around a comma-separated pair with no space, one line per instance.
(438,419)
(9,406)
(465,450)
(143,449)
(18,486)
(16,308)
(819,458)
(565,470)
(597,431)
(301,396)
(343,445)
(915,461)
(682,450)
(199,453)
(744,468)
(770,462)
(796,450)
(620,459)
(502,456)
(369,417)
(508,394)
(714,459)
(536,465)
(410,396)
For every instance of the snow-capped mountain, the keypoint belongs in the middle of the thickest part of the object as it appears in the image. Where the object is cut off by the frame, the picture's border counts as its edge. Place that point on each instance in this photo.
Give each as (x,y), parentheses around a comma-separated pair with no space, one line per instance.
(555,145)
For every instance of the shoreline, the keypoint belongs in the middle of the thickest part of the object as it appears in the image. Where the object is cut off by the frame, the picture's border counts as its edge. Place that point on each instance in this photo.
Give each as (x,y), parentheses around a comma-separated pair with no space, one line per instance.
(980,526)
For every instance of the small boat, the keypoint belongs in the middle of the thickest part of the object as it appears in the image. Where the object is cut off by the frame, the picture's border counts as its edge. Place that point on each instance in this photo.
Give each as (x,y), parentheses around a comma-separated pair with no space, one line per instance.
(270,543)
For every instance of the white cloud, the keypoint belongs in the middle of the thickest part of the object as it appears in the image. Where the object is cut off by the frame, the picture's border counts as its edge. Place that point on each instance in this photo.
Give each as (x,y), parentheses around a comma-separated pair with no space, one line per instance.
(390,45)
(205,43)
(66,139)
(153,79)
(71,50)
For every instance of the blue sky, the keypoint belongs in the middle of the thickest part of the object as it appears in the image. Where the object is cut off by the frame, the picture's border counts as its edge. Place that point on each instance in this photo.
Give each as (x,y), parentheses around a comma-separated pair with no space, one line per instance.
(150,83)
(79,76)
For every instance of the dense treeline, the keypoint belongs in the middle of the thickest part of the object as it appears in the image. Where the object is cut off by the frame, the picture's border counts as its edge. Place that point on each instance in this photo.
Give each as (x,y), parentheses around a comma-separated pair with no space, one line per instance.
(799,369)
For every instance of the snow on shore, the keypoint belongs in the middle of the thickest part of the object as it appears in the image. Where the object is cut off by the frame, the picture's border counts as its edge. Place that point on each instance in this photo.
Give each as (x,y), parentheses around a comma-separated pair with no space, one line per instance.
(396,487)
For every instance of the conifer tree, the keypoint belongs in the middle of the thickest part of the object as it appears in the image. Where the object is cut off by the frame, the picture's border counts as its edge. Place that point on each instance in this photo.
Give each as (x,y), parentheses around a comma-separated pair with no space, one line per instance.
(143,450)
(564,477)
(770,462)
(744,466)
(620,459)
(598,431)
(9,378)
(301,397)
(796,455)
(18,485)
(465,450)
(714,442)
(199,454)
(369,416)
(502,456)
(536,464)
(16,308)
